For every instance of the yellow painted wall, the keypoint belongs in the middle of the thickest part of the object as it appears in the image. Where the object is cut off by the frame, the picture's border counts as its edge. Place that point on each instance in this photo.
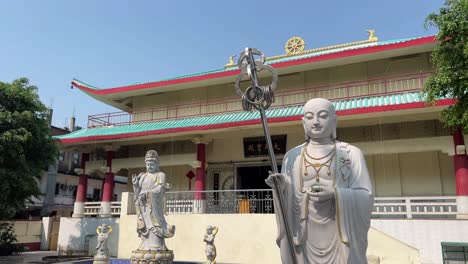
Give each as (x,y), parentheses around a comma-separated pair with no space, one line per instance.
(447,173)
(175,175)
(412,174)
(27,231)
(244,238)
(339,74)
(231,146)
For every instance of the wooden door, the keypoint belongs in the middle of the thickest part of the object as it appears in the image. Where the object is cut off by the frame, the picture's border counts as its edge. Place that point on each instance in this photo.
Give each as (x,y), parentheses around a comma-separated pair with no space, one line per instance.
(54,232)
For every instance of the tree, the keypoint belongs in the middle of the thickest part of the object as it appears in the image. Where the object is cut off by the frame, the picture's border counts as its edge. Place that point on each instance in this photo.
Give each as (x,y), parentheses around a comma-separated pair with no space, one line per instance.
(450,57)
(26,145)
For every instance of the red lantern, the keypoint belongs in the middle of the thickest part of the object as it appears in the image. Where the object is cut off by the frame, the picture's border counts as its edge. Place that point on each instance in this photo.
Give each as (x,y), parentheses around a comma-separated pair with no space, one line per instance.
(190,175)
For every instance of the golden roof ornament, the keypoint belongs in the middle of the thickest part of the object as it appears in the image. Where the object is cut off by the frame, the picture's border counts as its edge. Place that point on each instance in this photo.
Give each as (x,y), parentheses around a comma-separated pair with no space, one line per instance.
(294,45)
(231,61)
(372,36)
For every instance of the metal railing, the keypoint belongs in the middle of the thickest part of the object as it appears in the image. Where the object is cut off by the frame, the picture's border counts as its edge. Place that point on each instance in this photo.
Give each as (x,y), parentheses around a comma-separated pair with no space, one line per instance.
(261,202)
(220,202)
(341,91)
(94,208)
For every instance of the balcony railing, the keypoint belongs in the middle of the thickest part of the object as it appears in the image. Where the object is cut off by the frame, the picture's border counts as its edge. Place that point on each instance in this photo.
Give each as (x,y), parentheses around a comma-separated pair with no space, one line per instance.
(341,91)
(261,202)
(94,208)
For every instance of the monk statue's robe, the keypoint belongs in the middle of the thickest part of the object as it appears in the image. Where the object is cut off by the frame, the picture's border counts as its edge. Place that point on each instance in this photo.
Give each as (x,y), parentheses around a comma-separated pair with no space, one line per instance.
(332,231)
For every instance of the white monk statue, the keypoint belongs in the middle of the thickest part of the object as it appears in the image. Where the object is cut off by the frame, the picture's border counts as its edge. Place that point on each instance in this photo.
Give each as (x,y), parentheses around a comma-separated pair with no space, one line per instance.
(149,188)
(327,194)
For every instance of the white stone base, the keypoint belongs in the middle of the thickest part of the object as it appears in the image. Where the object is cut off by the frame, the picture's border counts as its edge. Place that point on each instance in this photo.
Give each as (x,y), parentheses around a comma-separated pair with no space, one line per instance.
(101,260)
(150,256)
(105,209)
(78,209)
(462,207)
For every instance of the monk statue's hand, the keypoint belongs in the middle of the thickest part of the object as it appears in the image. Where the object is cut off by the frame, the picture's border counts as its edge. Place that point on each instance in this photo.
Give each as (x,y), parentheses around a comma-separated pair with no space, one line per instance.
(326,193)
(278,177)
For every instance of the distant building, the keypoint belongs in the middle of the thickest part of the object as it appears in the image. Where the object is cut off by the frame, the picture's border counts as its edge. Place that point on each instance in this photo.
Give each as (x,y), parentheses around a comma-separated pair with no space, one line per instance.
(63,179)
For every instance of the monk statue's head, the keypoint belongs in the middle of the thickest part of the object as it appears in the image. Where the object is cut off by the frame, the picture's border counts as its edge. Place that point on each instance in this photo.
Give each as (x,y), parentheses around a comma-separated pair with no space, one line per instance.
(319,120)
(152,161)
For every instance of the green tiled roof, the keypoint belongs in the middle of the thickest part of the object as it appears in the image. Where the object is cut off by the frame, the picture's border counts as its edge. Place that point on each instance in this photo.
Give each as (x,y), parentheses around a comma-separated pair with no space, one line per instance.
(285,59)
(341,105)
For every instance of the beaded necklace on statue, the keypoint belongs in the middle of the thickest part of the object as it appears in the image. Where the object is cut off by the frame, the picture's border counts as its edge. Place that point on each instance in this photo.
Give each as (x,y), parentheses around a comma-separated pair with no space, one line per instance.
(314,162)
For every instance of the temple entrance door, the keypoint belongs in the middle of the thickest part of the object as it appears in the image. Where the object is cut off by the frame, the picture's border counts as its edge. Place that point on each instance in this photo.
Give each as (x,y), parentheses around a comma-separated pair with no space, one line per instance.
(252,178)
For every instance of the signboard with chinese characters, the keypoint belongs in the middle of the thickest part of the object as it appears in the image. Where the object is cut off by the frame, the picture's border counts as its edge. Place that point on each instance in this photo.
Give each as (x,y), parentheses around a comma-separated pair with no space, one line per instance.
(257,146)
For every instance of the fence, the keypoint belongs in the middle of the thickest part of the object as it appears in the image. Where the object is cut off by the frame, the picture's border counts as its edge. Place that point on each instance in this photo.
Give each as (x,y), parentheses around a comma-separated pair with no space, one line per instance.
(94,208)
(260,201)
(220,202)
(341,91)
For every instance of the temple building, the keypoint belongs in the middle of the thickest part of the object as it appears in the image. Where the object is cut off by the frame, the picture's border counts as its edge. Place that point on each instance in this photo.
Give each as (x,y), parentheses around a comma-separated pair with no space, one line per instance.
(212,151)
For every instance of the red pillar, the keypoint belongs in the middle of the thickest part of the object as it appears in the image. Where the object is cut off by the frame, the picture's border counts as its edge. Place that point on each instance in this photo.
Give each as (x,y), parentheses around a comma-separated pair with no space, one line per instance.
(460,164)
(83,182)
(200,175)
(108,190)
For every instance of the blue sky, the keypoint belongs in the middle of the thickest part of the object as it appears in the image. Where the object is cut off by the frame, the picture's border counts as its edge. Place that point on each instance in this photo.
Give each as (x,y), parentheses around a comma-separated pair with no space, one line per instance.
(114,43)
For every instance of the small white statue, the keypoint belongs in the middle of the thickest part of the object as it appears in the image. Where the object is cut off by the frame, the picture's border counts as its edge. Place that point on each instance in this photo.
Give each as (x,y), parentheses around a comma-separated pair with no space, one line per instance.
(327,193)
(210,249)
(102,251)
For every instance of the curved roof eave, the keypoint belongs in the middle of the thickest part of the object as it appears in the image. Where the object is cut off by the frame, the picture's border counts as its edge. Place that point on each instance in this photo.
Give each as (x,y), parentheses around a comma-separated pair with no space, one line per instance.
(109,95)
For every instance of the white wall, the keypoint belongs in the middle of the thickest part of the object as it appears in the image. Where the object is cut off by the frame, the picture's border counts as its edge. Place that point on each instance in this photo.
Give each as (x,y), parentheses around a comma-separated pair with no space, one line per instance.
(74,232)
(425,235)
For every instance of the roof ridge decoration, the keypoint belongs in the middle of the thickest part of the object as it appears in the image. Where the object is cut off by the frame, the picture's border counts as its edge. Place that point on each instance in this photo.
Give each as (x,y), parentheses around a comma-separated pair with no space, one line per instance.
(296,46)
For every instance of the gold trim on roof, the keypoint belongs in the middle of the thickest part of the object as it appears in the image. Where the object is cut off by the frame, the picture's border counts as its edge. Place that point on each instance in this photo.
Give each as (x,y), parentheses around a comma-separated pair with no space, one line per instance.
(231,62)
(296,44)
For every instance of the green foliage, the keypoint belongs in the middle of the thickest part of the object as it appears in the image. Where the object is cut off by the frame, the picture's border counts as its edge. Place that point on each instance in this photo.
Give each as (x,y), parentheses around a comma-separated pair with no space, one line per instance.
(7,239)
(450,58)
(26,145)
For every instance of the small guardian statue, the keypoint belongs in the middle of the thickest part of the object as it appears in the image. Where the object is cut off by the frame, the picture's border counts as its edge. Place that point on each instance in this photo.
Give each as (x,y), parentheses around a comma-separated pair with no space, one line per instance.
(102,251)
(149,188)
(210,249)
(328,193)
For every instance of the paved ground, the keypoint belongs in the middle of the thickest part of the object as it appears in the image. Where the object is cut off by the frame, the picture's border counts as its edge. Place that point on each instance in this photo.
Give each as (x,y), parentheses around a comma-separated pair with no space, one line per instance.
(27,257)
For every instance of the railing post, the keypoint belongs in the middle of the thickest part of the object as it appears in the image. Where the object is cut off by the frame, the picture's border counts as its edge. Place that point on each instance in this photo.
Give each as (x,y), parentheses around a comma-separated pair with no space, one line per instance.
(126,203)
(408,208)
(420,80)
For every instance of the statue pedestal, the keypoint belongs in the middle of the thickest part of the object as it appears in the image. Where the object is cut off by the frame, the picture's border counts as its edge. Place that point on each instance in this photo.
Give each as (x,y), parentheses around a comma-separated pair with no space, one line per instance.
(152,256)
(101,260)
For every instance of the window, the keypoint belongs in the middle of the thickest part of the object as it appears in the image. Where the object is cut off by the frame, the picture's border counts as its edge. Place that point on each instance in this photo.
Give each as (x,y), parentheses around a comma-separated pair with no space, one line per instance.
(454,253)
(76,158)
(96,194)
(61,156)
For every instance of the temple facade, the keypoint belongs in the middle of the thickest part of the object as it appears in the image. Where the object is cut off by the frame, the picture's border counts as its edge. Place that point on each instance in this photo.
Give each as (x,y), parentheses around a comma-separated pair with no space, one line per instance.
(212,151)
